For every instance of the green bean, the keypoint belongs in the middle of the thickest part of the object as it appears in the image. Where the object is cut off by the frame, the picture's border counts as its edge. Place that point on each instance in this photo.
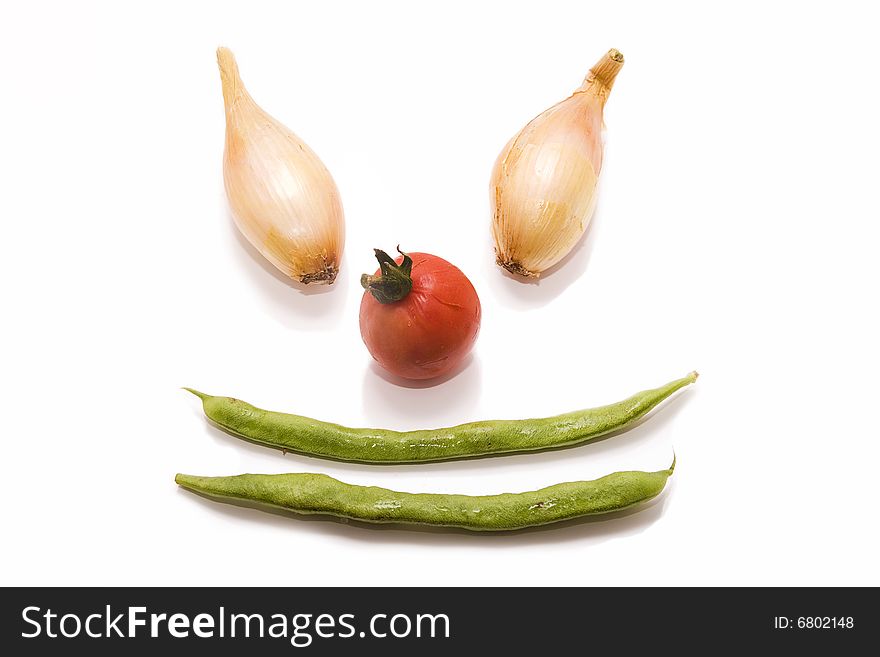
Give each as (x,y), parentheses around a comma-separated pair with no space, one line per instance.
(320,494)
(294,433)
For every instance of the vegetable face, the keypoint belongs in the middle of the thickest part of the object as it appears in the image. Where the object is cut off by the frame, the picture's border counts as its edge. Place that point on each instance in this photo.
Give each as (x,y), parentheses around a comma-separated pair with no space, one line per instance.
(419,315)
(320,494)
(315,438)
(543,187)
(282,197)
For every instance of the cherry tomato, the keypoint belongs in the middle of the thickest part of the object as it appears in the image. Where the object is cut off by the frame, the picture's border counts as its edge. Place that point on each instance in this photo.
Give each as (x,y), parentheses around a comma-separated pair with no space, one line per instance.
(419,316)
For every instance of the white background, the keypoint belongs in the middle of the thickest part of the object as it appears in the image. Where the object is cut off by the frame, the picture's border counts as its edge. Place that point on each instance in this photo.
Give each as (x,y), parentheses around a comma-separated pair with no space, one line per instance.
(737,234)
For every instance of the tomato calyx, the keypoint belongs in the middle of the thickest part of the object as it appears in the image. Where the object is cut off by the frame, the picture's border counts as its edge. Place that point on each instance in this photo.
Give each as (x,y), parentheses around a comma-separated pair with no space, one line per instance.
(393,282)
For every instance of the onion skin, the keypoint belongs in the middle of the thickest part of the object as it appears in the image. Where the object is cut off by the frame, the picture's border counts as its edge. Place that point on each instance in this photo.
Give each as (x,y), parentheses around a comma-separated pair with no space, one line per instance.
(283,199)
(543,185)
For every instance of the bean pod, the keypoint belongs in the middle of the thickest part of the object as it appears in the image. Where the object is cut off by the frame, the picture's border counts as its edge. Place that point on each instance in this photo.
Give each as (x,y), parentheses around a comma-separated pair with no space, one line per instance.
(321,494)
(304,435)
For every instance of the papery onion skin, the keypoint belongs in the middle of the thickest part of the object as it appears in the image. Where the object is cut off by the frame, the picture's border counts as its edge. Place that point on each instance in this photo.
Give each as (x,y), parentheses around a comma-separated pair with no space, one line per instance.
(543,185)
(283,199)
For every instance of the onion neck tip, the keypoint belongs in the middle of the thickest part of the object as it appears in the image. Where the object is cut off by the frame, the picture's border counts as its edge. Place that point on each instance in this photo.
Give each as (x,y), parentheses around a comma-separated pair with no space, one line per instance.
(605,71)
(229,77)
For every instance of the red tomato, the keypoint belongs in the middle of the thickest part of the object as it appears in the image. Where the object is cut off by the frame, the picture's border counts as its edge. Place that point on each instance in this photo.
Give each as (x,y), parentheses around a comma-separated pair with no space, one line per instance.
(422,331)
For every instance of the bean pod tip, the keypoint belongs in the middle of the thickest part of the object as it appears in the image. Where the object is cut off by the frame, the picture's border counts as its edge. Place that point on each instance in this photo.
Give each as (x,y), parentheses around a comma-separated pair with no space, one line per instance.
(200,395)
(189,482)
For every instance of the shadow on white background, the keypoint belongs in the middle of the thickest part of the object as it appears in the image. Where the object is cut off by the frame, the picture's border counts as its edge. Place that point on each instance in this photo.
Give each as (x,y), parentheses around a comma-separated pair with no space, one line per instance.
(395,403)
(297,306)
(525,293)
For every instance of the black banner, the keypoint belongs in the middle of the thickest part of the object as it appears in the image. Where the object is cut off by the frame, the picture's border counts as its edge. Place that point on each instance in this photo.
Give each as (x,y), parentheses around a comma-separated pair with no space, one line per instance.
(277,621)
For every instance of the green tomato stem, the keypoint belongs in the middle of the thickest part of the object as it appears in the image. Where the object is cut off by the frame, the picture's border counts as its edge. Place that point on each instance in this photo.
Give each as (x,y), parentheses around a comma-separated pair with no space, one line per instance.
(394,281)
